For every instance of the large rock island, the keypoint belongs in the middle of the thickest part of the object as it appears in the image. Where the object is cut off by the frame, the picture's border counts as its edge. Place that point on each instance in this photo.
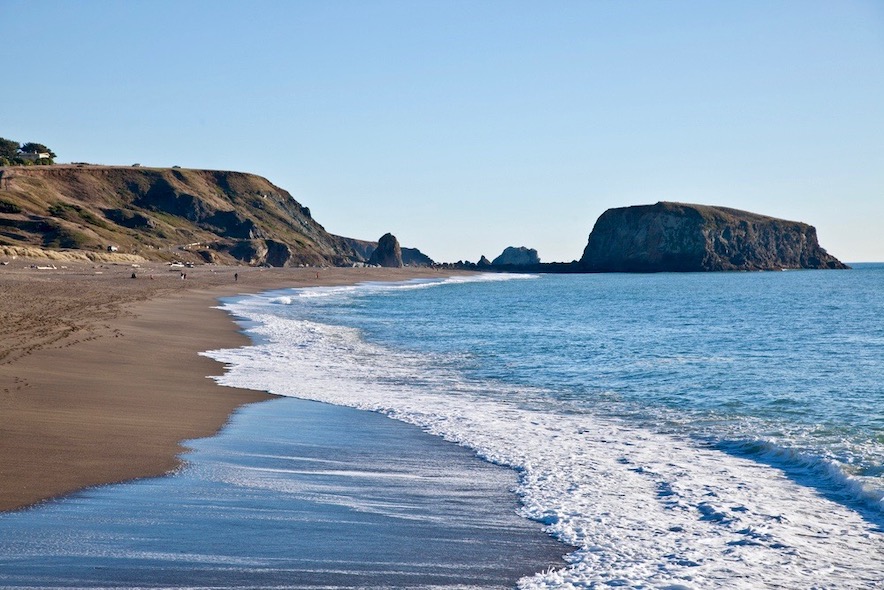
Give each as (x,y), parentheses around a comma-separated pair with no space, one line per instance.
(679,237)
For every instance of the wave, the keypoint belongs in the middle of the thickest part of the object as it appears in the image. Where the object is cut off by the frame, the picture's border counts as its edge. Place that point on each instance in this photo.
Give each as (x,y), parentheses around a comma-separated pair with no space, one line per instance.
(374,287)
(644,508)
(811,469)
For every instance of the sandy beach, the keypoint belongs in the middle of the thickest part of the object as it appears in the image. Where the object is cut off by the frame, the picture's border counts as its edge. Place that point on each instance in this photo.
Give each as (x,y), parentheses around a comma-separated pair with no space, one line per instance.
(100,377)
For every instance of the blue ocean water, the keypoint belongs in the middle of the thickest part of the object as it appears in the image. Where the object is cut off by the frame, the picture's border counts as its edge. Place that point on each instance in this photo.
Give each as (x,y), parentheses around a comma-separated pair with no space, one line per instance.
(681,430)
(795,359)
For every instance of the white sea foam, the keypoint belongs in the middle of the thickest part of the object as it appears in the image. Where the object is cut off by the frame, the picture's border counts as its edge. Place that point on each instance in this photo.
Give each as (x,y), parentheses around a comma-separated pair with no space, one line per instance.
(644,509)
(372,288)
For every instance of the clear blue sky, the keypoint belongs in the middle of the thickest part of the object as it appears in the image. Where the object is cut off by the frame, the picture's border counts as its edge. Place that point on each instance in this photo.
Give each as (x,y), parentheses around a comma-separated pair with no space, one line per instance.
(466,127)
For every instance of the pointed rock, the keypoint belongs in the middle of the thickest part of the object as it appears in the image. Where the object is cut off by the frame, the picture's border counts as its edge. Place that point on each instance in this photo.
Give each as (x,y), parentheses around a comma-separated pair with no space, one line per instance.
(388,253)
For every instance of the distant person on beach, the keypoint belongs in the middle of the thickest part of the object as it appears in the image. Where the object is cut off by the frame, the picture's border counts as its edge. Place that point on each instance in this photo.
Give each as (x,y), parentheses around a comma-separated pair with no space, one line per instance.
(235,276)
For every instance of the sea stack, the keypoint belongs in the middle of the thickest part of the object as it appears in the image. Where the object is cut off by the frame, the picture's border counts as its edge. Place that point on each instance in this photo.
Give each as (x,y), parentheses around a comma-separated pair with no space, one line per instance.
(520,256)
(679,237)
(388,253)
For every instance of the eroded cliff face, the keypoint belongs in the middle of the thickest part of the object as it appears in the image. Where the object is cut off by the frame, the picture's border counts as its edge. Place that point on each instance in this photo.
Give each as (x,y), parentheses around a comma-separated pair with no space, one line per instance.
(678,237)
(163,213)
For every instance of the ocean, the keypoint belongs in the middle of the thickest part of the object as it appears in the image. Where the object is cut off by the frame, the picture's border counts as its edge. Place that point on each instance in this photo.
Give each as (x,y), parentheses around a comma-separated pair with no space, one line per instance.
(680,430)
(672,431)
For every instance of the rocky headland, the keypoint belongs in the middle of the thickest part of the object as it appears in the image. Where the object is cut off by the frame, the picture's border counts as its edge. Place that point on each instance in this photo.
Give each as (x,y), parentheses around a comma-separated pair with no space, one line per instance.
(162,214)
(679,237)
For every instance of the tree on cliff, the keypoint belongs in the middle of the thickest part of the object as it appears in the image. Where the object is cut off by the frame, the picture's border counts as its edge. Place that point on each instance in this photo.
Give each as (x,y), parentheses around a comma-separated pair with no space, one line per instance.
(8,150)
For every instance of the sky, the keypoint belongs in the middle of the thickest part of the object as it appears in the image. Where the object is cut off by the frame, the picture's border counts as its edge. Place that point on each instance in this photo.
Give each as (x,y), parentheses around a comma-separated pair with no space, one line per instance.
(464,127)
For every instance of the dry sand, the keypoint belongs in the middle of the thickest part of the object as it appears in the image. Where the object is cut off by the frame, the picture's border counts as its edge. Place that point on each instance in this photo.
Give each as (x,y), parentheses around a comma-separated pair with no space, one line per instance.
(100,377)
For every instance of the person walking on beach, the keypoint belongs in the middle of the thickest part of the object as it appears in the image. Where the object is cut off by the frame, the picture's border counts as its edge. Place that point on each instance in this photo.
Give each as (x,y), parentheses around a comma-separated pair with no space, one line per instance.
(235,277)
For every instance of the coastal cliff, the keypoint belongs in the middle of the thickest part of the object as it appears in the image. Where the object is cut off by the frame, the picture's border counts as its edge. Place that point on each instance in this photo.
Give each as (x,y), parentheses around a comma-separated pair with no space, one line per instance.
(163,214)
(679,237)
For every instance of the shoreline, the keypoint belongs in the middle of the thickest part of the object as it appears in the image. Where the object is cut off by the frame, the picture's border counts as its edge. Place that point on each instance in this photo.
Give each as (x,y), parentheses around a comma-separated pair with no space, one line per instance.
(100,376)
(267,502)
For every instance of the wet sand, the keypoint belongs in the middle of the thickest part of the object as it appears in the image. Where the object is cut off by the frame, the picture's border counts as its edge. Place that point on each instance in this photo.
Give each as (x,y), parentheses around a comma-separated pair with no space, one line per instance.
(100,377)
(291,494)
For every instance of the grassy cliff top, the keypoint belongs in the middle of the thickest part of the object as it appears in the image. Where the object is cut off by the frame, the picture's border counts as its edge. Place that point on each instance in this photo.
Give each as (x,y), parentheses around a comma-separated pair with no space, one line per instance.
(161,214)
